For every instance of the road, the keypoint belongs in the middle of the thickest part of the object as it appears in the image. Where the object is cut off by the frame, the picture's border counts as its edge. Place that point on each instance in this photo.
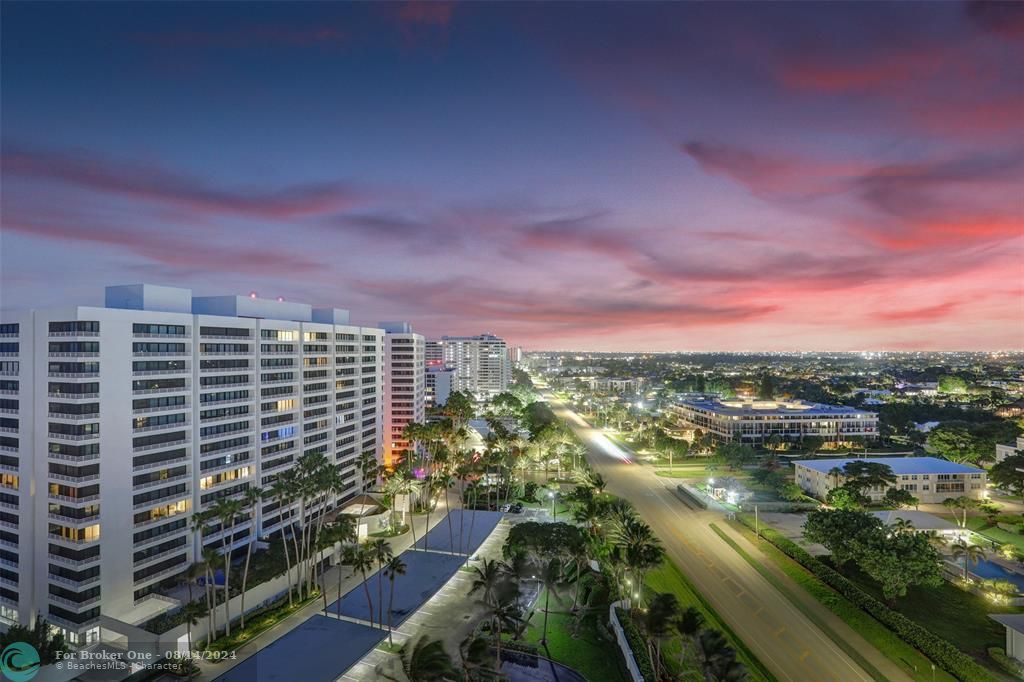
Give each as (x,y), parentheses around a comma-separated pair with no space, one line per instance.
(783,638)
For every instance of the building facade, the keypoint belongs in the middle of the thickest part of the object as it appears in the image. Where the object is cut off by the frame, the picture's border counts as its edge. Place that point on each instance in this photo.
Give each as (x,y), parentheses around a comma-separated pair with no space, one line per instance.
(121,422)
(1009,450)
(404,380)
(438,385)
(754,422)
(929,479)
(480,362)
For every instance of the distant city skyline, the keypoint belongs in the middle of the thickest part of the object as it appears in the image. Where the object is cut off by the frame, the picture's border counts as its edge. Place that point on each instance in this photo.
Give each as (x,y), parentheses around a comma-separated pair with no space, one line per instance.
(608,177)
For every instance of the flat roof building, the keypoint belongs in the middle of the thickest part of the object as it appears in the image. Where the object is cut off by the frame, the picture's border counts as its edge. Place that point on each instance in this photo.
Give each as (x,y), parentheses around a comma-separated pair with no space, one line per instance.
(929,479)
(121,422)
(756,421)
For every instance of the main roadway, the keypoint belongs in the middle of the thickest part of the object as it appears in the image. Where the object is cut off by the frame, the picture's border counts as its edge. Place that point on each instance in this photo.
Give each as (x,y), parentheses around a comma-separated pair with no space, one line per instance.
(780,635)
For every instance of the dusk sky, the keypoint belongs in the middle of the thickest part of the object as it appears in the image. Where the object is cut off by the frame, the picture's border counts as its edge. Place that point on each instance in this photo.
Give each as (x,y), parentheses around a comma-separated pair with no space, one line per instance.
(771,176)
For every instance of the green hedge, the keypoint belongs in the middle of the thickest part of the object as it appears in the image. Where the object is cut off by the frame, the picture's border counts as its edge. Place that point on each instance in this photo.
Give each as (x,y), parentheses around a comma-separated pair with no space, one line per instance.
(637,644)
(948,657)
(1008,664)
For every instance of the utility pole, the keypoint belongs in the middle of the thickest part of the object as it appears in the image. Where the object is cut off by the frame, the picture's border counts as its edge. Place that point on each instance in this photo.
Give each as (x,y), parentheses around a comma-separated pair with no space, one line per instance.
(757,525)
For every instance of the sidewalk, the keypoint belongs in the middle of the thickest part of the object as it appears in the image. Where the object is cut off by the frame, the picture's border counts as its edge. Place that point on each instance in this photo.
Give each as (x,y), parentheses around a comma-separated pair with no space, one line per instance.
(450,615)
(208,671)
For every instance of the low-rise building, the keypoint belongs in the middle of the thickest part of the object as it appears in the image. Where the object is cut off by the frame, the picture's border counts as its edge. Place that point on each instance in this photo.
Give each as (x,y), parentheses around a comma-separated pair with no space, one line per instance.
(929,479)
(756,421)
(1009,450)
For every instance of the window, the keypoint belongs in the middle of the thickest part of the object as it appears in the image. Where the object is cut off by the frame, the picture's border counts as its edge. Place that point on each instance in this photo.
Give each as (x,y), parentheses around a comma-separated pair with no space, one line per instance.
(159,329)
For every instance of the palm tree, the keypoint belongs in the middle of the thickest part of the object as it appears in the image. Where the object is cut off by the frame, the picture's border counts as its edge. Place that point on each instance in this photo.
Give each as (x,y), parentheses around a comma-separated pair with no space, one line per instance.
(227,510)
(716,659)
(424,660)
(657,623)
(191,614)
(252,499)
(688,624)
(475,654)
(363,560)
(902,525)
(488,576)
(969,553)
(382,554)
(551,577)
(281,493)
(191,575)
(503,613)
(211,560)
(395,567)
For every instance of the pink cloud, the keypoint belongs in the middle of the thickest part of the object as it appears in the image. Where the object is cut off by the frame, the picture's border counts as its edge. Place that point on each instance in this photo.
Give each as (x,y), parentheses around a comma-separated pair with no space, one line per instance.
(155,184)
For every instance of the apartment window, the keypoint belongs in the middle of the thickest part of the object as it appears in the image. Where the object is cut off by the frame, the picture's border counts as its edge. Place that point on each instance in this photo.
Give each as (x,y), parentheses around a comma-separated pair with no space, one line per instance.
(10,328)
(158,420)
(75,327)
(159,329)
(157,384)
(72,389)
(158,365)
(157,347)
(224,331)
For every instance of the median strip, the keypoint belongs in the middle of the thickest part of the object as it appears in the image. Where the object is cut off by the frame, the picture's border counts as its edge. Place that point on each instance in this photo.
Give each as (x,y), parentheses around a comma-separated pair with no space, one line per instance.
(841,642)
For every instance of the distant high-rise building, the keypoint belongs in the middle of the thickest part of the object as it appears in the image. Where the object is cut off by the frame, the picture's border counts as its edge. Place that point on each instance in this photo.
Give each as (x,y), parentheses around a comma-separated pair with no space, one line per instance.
(403,386)
(438,386)
(433,353)
(121,422)
(515,355)
(480,362)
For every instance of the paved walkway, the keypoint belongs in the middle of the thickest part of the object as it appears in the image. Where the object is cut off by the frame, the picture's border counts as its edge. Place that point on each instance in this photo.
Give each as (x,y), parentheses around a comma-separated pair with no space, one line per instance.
(450,615)
(209,671)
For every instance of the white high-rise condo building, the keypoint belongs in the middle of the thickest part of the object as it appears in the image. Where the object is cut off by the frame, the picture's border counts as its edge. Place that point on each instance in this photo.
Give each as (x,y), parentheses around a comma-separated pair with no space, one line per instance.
(481,364)
(120,422)
(403,386)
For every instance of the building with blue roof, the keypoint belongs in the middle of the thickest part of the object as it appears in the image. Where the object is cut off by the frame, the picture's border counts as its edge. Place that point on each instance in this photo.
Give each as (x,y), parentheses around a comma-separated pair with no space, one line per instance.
(929,479)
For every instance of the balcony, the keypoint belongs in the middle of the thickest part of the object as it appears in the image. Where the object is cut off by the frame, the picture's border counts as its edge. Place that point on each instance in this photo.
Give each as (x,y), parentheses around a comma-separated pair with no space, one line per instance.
(74,436)
(161,555)
(73,500)
(162,464)
(157,446)
(71,541)
(163,427)
(74,563)
(86,520)
(166,573)
(72,458)
(70,625)
(54,335)
(76,605)
(73,375)
(161,482)
(72,354)
(72,417)
(74,396)
(74,479)
(69,582)
(163,501)
(159,372)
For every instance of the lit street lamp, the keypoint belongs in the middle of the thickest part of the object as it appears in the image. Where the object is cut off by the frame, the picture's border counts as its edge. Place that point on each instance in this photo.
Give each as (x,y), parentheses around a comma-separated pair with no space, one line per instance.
(554,512)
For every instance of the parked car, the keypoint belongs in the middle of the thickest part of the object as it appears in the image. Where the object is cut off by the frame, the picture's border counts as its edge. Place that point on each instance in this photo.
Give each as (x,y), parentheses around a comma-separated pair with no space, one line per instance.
(505,508)
(516,508)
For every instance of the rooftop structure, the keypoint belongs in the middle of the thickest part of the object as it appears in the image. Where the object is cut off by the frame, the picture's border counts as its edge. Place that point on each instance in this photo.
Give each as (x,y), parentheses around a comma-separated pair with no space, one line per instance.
(929,479)
(756,421)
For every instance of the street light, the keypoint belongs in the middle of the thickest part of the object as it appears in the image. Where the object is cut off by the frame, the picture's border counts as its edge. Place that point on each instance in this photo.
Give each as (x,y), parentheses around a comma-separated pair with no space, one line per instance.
(554,512)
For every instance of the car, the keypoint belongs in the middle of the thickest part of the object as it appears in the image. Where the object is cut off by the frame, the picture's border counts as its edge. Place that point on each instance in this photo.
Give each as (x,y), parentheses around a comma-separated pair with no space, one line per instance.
(505,508)
(516,508)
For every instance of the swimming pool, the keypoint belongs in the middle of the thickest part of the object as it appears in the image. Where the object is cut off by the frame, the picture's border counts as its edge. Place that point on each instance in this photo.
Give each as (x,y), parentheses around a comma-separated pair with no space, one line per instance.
(992,571)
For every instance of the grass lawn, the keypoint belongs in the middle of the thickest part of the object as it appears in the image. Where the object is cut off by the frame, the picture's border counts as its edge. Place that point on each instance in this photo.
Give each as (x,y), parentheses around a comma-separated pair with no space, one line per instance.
(980,525)
(668,578)
(912,661)
(949,612)
(594,658)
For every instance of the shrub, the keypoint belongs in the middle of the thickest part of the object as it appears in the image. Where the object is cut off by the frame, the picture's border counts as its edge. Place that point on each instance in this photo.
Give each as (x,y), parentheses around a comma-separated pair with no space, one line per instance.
(1005,662)
(945,655)
(637,644)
